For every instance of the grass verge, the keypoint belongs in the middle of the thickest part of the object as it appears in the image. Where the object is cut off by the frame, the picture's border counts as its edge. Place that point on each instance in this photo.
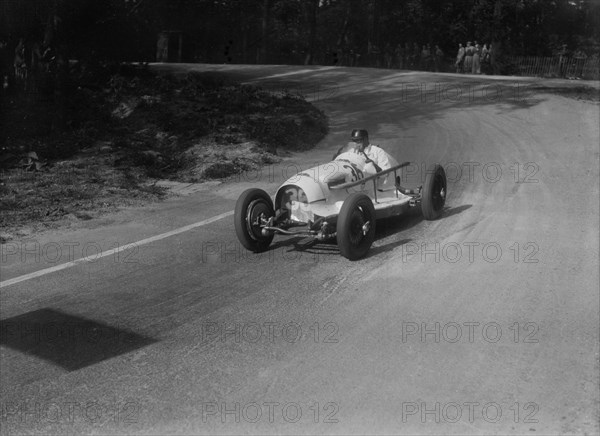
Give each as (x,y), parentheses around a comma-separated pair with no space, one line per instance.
(128,131)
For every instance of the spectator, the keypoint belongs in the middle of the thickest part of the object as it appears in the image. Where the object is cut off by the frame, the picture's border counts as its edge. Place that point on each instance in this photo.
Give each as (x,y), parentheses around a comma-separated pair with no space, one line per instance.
(468,63)
(579,59)
(485,59)
(438,58)
(416,53)
(425,58)
(374,55)
(399,55)
(430,58)
(388,54)
(493,61)
(476,69)
(460,58)
(562,61)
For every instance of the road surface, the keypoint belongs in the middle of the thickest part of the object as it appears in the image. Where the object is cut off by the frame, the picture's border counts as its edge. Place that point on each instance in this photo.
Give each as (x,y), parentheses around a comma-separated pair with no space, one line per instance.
(482,322)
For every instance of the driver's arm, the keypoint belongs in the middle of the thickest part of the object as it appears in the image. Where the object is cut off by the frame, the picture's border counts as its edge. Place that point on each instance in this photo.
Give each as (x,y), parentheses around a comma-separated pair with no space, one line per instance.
(371,161)
(382,160)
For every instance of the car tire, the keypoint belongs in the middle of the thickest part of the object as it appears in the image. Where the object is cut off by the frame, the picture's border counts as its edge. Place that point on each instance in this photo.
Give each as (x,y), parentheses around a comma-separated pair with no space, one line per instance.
(354,240)
(250,205)
(434,193)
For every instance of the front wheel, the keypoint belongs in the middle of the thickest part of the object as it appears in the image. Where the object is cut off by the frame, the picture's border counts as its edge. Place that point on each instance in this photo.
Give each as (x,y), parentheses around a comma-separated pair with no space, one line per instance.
(434,192)
(252,210)
(356,226)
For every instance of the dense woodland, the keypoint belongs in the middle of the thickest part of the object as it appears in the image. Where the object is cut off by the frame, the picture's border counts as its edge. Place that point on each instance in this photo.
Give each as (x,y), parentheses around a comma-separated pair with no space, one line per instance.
(325,32)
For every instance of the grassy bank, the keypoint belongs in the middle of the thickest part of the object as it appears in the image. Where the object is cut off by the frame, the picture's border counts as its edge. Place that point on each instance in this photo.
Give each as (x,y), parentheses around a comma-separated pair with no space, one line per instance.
(128,131)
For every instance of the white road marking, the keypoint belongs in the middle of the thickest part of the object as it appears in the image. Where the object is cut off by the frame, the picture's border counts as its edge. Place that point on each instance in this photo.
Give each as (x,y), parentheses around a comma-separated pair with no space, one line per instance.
(291,73)
(113,251)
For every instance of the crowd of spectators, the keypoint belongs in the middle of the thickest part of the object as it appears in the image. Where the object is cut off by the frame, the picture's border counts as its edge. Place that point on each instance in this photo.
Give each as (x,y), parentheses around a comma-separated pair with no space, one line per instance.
(473,58)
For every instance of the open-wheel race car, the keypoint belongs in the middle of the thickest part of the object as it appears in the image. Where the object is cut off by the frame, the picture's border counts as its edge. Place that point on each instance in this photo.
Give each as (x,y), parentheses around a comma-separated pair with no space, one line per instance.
(339,200)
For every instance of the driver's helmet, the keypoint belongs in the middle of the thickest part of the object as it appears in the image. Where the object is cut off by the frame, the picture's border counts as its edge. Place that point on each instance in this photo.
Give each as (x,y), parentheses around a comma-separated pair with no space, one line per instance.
(358,135)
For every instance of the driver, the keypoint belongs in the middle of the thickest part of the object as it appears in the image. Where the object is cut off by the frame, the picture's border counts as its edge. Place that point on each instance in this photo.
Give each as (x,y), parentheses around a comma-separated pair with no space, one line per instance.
(379,159)
(372,153)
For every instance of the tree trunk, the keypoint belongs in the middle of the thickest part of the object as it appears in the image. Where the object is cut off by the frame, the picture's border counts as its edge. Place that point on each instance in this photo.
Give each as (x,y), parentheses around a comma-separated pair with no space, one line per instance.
(312,37)
(61,87)
(265,32)
(244,29)
(53,38)
(497,36)
(342,37)
(370,26)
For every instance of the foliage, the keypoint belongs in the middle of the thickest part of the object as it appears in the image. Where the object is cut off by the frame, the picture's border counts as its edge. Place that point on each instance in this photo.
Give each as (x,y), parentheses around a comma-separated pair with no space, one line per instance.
(237,30)
(134,127)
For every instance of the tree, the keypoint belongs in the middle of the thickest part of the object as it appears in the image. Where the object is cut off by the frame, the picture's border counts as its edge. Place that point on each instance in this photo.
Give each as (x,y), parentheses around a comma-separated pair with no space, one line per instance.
(302,31)
(312,7)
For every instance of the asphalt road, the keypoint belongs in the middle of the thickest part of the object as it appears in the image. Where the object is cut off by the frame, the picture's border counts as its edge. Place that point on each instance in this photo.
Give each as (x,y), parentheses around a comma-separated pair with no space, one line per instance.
(482,322)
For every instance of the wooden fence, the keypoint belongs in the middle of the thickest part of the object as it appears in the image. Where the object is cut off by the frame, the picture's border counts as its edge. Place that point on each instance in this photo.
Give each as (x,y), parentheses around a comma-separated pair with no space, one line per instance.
(570,68)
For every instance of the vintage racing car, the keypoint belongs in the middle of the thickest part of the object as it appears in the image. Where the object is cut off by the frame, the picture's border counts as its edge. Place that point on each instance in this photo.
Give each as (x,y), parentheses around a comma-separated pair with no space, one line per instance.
(341,199)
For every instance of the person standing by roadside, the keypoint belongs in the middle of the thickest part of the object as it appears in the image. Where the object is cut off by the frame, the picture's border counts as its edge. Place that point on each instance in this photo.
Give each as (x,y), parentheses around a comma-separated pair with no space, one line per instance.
(579,58)
(476,60)
(562,61)
(374,55)
(425,58)
(493,59)
(388,56)
(416,54)
(399,56)
(485,59)
(438,58)
(468,63)
(460,58)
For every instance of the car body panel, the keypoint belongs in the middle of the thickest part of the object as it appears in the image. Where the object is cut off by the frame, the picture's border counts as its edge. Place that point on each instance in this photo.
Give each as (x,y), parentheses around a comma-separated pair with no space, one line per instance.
(311,193)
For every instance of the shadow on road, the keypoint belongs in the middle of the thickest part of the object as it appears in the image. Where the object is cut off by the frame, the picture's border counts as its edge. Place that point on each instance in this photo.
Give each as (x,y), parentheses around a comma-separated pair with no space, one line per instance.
(69,341)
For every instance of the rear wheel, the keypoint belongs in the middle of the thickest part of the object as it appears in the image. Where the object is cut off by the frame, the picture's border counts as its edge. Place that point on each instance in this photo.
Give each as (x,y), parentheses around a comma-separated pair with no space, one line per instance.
(356,226)
(434,192)
(252,210)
